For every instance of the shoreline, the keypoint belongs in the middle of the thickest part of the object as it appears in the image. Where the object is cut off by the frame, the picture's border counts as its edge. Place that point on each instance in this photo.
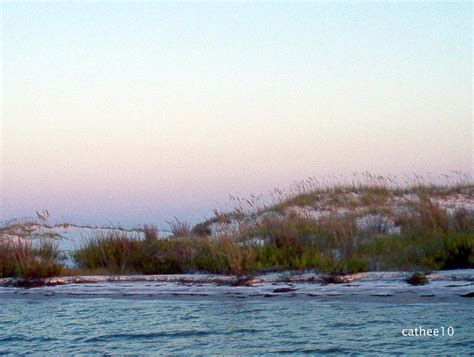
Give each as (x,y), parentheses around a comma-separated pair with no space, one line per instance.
(443,286)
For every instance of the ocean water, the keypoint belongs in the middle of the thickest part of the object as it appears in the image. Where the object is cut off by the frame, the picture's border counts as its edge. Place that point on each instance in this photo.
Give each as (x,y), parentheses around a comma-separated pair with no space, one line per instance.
(203,326)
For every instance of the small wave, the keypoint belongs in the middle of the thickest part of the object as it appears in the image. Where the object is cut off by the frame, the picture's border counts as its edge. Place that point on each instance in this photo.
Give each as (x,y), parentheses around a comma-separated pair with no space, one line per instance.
(243,330)
(335,350)
(12,338)
(23,338)
(151,335)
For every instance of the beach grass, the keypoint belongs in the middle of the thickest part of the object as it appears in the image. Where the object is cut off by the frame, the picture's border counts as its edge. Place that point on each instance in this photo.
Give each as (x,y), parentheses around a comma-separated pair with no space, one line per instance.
(30,261)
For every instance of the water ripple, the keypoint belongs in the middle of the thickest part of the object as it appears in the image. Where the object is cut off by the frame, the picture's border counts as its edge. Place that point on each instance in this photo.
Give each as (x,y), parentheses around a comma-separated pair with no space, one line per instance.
(152,335)
(236,327)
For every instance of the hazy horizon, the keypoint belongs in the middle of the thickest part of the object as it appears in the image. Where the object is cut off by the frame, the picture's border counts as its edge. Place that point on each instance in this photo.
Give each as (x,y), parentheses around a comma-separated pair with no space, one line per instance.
(138,112)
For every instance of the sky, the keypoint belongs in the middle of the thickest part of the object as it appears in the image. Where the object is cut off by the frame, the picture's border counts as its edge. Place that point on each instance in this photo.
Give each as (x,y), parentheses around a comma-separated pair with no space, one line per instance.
(135,112)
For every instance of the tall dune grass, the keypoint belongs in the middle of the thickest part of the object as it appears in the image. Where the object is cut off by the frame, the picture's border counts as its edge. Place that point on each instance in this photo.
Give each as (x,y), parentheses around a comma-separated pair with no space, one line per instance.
(120,253)
(25,260)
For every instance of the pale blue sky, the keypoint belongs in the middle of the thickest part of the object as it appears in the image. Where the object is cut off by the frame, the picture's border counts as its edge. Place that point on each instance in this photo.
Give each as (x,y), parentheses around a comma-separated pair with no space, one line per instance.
(136,112)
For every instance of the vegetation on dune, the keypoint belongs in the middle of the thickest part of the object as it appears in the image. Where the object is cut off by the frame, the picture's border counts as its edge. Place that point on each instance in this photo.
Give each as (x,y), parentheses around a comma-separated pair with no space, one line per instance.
(278,238)
(120,253)
(30,261)
(430,238)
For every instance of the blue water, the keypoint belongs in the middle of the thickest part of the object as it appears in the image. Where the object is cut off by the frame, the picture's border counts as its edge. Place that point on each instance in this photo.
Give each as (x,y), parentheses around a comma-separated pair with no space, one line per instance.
(229,326)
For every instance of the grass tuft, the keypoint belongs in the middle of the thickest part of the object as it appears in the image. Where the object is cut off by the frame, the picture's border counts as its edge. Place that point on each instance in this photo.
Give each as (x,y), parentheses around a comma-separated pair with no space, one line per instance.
(24,260)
